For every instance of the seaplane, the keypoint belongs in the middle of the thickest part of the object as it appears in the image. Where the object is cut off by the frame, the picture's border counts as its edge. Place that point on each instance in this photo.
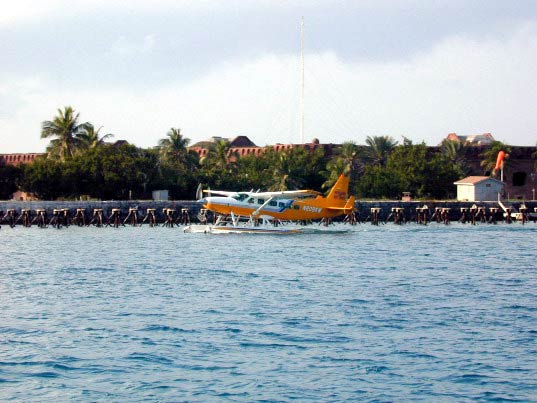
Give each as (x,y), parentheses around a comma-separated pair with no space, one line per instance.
(262,212)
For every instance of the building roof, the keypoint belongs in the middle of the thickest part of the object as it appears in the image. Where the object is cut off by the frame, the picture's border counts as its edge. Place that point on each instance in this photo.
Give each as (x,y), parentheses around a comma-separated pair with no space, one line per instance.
(474,180)
(238,141)
(241,141)
(473,139)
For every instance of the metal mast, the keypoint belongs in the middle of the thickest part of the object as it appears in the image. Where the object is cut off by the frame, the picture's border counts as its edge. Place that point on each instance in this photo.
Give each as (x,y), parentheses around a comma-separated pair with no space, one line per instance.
(302,82)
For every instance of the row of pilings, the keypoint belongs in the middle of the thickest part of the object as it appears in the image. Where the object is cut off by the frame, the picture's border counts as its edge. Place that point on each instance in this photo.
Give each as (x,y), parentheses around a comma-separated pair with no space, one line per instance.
(99,217)
(443,215)
(175,213)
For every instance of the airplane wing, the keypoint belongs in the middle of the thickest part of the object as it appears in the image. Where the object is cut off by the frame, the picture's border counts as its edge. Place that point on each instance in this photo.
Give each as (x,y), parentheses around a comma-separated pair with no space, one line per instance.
(287,193)
(219,192)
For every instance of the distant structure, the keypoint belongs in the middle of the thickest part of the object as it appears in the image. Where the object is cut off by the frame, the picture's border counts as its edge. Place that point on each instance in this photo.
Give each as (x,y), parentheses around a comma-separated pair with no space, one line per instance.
(520,174)
(19,158)
(478,188)
(472,140)
(243,146)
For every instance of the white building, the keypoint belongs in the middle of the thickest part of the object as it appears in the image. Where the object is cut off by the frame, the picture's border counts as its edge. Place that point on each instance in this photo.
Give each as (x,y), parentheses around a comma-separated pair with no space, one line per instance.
(478,188)
(160,195)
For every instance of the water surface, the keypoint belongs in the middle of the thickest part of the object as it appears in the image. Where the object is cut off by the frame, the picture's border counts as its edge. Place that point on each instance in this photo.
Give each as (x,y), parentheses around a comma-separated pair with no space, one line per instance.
(373,314)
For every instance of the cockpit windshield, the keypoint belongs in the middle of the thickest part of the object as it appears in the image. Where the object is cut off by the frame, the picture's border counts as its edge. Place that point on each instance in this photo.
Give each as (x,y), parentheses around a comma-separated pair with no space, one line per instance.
(240,196)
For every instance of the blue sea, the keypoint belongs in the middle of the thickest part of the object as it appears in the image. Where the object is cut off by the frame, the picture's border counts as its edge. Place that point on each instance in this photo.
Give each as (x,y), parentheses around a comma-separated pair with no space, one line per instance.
(379,314)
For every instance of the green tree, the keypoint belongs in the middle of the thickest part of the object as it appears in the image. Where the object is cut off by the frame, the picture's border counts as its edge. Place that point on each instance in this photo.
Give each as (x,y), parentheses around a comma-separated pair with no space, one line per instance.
(110,172)
(441,174)
(64,131)
(177,164)
(380,182)
(174,146)
(285,175)
(413,168)
(254,171)
(379,148)
(88,137)
(297,168)
(117,171)
(219,157)
(346,160)
(454,151)
(10,177)
(219,166)
(490,155)
(43,178)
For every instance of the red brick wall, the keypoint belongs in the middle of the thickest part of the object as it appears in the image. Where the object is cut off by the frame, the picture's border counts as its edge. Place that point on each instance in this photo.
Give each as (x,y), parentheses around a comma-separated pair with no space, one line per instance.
(19,158)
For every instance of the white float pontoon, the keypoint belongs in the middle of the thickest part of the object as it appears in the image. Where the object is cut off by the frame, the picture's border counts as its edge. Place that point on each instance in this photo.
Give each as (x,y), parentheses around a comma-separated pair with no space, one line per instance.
(233,224)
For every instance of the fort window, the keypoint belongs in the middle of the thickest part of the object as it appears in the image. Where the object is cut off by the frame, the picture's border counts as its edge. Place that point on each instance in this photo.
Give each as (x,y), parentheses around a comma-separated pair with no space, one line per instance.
(519,178)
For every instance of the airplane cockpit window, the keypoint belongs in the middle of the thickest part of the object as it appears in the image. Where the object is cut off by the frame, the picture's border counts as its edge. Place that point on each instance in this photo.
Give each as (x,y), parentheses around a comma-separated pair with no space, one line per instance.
(240,196)
(251,200)
(260,201)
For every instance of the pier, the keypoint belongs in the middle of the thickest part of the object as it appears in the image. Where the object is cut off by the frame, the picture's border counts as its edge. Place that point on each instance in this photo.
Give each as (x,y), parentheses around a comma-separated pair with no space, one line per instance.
(59,214)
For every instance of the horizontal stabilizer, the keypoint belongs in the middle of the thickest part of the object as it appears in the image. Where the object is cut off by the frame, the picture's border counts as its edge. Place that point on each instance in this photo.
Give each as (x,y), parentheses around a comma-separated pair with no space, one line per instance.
(348,206)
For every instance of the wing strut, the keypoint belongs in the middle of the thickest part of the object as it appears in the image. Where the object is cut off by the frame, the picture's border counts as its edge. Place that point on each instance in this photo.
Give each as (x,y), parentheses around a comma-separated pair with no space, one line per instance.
(255,213)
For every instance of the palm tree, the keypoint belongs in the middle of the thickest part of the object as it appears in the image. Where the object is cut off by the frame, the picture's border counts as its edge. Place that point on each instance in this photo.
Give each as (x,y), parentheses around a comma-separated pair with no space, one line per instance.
(454,151)
(335,167)
(64,129)
(379,147)
(284,176)
(491,154)
(174,147)
(346,161)
(89,137)
(219,157)
(219,164)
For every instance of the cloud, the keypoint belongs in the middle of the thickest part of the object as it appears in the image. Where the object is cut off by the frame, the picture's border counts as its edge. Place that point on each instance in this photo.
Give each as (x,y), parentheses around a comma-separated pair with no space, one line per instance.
(23,11)
(14,12)
(126,47)
(461,85)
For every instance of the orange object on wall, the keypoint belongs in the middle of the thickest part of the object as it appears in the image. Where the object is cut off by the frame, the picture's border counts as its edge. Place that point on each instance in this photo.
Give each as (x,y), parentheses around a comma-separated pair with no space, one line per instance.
(499,160)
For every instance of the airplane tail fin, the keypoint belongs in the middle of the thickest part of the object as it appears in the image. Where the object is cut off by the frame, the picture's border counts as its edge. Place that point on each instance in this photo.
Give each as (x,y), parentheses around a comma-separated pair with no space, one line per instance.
(340,192)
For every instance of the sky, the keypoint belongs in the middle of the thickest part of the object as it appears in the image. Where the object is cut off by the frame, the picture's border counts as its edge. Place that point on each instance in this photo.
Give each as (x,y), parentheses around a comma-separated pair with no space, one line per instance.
(404,68)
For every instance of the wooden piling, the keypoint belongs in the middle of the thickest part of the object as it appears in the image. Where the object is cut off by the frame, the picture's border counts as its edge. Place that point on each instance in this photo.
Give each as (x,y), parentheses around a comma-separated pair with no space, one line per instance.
(445,215)
(375,215)
(150,217)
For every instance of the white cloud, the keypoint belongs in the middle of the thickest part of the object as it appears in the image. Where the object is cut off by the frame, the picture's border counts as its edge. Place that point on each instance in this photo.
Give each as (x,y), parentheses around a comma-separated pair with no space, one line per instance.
(20,11)
(460,85)
(24,10)
(126,47)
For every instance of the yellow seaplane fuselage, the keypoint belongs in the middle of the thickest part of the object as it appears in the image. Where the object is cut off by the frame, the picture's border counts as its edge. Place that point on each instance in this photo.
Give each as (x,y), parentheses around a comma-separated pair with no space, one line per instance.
(294,205)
